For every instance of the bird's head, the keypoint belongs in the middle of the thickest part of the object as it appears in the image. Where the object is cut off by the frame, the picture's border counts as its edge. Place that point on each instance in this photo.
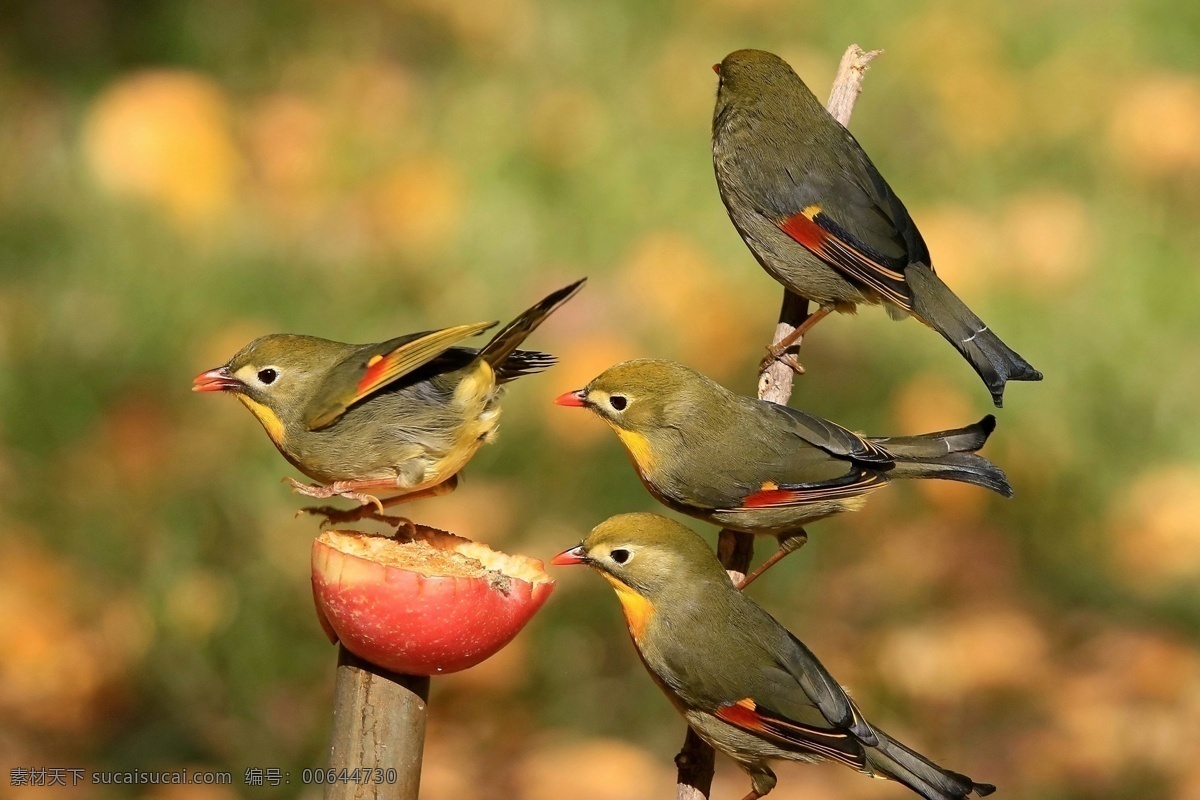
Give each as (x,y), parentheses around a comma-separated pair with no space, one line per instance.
(644,396)
(275,377)
(646,554)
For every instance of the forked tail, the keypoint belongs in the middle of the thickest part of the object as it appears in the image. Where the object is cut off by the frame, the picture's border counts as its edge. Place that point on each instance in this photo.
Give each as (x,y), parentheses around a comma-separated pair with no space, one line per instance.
(995,361)
(948,455)
(918,773)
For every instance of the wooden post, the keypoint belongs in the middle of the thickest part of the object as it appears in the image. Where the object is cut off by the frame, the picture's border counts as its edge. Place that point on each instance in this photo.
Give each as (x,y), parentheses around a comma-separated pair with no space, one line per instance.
(695,760)
(378,730)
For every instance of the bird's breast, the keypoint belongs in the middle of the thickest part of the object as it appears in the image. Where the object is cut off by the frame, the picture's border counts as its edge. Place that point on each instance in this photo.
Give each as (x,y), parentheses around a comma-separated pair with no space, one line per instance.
(639,449)
(638,610)
(269,419)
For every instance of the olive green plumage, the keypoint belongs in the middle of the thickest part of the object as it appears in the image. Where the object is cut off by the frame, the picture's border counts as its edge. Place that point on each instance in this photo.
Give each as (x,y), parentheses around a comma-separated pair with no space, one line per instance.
(759,467)
(745,684)
(395,417)
(820,218)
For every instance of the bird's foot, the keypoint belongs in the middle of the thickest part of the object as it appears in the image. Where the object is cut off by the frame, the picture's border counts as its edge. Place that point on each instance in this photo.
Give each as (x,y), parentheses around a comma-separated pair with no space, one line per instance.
(775,353)
(788,543)
(345,489)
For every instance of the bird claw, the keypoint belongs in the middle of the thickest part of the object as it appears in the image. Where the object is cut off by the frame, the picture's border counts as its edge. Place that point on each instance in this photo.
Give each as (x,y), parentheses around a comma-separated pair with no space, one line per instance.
(774,355)
(335,489)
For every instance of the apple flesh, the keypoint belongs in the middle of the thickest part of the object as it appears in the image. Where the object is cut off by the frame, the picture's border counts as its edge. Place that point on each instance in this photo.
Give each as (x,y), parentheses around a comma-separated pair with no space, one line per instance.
(426,605)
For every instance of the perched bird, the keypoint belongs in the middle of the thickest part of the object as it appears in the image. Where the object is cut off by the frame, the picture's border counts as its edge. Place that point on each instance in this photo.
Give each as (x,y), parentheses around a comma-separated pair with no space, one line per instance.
(397,418)
(822,221)
(758,467)
(747,686)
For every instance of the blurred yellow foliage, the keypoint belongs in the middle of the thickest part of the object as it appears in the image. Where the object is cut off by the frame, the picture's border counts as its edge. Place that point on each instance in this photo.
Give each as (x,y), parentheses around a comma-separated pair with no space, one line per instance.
(595,769)
(672,284)
(1051,236)
(199,603)
(418,205)
(1131,701)
(497,27)
(964,246)
(1155,126)
(289,141)
(942,660)
(1153,531)
(957,54)
(55,667)
(568,126)
(164,136)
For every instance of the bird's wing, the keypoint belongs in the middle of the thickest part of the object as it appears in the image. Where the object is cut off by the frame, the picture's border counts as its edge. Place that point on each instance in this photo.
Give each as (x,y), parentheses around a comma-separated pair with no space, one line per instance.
(797,702)
(773,495)
(853,220)
(799,458)
(372,367)
(821,433)
(821,688)
(788,734)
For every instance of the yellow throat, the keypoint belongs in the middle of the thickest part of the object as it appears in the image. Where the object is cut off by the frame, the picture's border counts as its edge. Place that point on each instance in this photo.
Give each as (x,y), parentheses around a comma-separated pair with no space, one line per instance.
(270,422)
(638,447)
(638,609)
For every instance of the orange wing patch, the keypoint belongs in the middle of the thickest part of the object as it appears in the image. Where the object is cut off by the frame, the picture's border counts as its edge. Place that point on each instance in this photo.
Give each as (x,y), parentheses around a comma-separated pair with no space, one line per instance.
(742,714)
(772,495)
(816,232)
(830,743)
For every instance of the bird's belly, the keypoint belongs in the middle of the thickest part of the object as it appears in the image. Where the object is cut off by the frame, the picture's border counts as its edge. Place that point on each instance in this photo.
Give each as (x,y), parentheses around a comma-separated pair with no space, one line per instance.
(744,747)
(380,441)
(774,521)
(799,269)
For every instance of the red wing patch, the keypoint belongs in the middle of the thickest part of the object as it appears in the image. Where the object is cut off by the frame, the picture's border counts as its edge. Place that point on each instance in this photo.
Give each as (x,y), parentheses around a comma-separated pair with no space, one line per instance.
(377,368)
(742,714)
(773,496)
(381,369)
(831,743)
(822,236)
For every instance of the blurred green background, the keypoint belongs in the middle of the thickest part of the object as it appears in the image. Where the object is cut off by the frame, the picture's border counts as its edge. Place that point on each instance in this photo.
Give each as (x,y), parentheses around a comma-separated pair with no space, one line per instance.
(179,176)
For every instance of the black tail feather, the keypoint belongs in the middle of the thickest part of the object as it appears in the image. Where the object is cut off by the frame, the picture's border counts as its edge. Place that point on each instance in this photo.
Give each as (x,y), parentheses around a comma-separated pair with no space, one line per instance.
(948,455)
(918,773)
(503,344)
(522,363)
(996,362)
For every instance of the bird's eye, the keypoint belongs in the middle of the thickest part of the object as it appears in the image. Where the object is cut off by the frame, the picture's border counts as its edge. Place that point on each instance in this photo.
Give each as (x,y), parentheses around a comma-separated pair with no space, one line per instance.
(620,555)
(267,375)
(618,402)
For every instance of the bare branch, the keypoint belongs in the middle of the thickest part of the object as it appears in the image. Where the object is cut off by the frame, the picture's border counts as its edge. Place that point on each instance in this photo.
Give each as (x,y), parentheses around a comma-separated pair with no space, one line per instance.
(736,550)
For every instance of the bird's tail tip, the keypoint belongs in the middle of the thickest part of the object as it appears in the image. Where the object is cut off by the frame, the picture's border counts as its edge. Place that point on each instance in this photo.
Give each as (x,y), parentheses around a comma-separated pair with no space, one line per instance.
(511,335)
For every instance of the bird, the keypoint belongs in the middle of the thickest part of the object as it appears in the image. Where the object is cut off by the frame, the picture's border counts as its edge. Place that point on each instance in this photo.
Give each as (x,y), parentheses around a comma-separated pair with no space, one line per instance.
(759,467)
(399,418)
(820,219)
(744,683)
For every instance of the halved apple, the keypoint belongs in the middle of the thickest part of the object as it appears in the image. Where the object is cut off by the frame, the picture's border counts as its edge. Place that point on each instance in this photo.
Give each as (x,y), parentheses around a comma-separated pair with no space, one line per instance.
(426,605)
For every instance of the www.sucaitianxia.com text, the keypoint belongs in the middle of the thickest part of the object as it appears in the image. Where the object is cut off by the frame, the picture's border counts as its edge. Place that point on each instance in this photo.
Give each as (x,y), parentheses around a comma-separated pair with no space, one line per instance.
(21,777)
(76,776)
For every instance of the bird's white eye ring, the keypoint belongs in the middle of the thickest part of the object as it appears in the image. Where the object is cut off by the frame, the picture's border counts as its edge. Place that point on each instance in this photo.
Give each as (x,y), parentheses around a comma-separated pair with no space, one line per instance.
(618,402)
(267,375)
(620,555)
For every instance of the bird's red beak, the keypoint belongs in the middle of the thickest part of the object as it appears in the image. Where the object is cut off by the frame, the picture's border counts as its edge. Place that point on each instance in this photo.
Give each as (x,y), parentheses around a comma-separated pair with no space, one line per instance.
(575,399)
(717,68)
(566,558)
(215,380)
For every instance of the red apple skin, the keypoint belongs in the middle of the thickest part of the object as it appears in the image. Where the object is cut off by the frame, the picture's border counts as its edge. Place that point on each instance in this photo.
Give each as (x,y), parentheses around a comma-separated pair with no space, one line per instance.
(415,624)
